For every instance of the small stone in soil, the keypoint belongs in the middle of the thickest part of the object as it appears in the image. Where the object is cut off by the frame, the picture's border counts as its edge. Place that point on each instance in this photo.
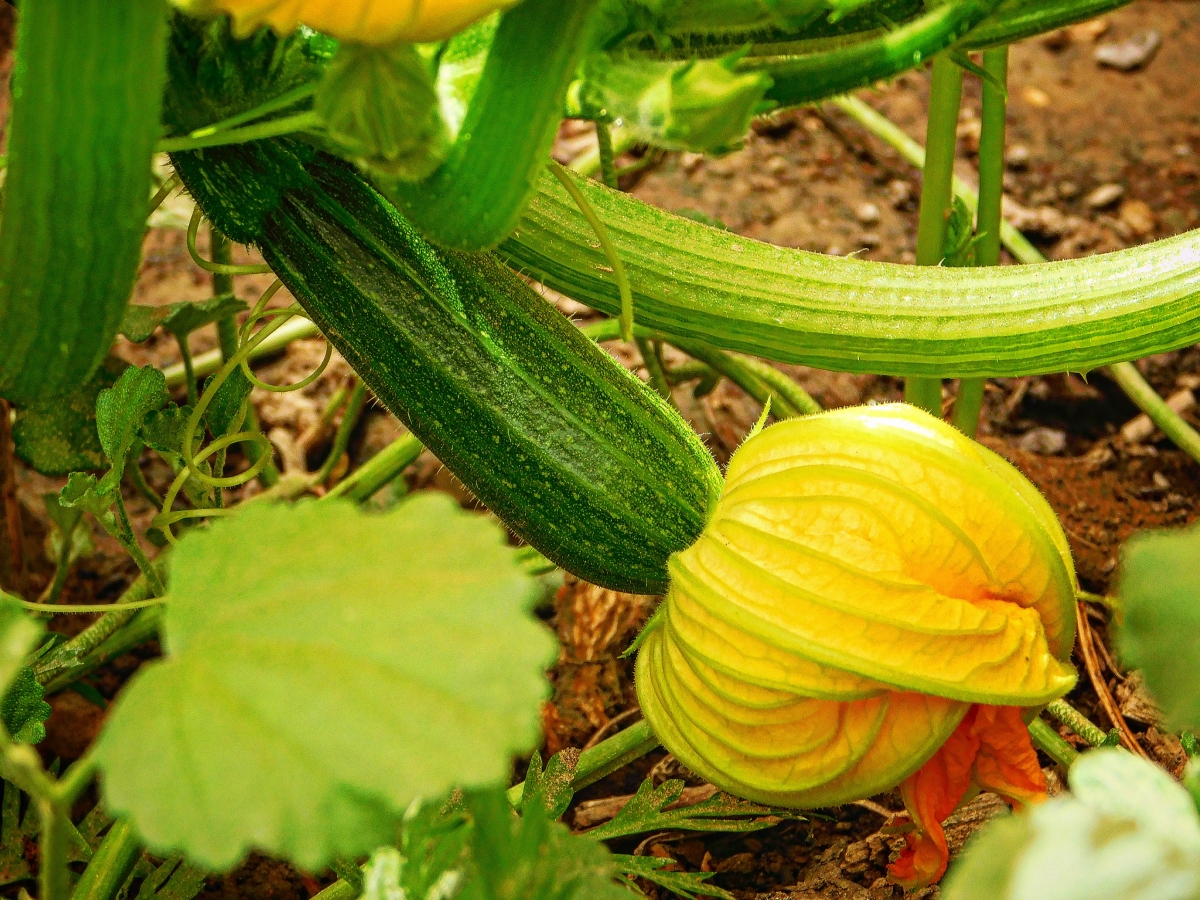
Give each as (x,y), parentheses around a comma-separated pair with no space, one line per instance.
(1138,216)
(1018,157)
(1043,441)
(867,213)
(900,193)
(1104,196)
(1130,54)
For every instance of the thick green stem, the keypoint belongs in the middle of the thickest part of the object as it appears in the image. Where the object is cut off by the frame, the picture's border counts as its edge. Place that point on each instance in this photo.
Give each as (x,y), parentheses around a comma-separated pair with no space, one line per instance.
(53,876)
(110,865)
(379,471)
(1173,425)
(937,193)
(1048,741)
(969,403)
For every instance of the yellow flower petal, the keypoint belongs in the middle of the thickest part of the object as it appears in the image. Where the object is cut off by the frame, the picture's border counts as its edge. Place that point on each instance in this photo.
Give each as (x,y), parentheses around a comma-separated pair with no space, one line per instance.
(375,22)
(867,575)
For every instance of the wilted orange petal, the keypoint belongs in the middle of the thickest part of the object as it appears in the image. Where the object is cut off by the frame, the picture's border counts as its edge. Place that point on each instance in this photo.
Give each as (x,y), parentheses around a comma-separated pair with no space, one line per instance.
(990,748)
(1007,763)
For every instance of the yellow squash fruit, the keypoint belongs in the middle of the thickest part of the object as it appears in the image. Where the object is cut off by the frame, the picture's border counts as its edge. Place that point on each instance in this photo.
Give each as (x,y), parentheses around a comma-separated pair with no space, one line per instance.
(375,22)
(873,602)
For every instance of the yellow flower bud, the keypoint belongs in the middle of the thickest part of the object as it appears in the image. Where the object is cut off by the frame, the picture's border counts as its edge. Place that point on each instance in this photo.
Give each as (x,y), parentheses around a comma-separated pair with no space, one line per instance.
(361,21)
(868,575)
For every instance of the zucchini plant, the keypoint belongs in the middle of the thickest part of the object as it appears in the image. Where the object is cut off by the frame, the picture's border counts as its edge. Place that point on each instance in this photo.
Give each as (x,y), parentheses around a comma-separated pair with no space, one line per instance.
(866,599)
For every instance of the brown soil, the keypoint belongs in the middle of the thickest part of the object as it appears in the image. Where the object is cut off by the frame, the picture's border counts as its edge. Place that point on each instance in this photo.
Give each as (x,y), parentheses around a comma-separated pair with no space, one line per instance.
(811,179)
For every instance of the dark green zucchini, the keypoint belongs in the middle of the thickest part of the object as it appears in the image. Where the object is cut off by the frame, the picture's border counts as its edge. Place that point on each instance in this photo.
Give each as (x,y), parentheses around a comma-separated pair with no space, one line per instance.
(87,89)
(573,453)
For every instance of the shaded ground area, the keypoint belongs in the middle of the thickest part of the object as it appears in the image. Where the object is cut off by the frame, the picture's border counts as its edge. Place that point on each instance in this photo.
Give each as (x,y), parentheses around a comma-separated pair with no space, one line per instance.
(1098,159)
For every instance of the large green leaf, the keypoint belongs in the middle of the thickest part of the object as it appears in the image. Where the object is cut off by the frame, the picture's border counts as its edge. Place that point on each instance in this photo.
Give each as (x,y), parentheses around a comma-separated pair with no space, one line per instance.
(1159,589)
(325,667)
(1127,830)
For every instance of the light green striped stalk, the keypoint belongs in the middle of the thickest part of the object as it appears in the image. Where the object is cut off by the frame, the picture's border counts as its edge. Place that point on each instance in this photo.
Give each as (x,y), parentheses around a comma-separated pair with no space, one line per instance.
(850,315)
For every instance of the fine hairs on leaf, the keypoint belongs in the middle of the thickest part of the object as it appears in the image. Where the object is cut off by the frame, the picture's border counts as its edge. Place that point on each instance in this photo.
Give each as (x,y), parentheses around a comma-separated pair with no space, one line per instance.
(209,751)
(551,787)
(120,411)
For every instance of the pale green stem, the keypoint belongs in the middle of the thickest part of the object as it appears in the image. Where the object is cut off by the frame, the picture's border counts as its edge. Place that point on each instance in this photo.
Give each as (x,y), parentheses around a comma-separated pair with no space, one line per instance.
(969,403)
(945,97)
(1049,742)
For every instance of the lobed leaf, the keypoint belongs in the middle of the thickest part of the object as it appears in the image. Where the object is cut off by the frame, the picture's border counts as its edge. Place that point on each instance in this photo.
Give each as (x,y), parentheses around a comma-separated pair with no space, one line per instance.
(308,696)
(552,788)
(686,884)
(647,811)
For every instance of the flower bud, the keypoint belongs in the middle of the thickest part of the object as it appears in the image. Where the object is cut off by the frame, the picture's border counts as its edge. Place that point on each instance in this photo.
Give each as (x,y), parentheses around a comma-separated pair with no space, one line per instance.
(375,22)
(871,589)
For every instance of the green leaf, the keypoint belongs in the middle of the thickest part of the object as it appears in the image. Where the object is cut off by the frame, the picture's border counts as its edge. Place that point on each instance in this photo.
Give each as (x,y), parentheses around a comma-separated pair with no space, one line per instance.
(24,709)
(180,319)
(646,811)
(313,689)
(120,411)
(703,105)
(380,108)
(226,409)
(1127,830)
(59,437)
(1159,585)
(163,431)
(94,497)
(685,884)
(530,857)
(551,788)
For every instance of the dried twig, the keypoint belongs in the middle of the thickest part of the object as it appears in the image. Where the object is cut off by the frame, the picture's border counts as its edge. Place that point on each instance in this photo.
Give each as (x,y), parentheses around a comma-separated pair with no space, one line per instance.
(1088,650)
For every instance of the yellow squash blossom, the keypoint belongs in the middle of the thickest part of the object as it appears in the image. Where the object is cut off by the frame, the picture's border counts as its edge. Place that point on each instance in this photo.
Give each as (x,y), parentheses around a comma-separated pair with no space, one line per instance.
(874,602)
(376,22)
